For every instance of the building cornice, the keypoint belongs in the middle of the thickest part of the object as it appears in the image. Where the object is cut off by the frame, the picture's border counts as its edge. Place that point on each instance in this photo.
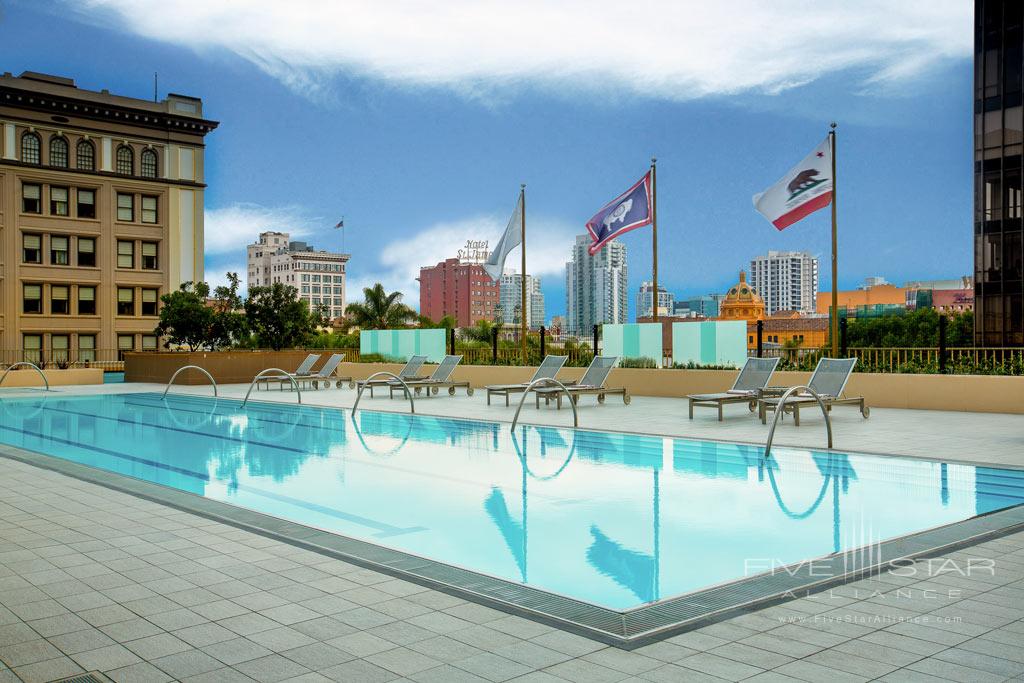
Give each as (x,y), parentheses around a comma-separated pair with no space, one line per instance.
(106,175)
(63,106)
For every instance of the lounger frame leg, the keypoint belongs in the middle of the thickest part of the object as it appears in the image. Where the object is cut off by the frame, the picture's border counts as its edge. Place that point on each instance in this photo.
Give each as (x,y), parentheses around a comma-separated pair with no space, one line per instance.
(720,411)
(691,408)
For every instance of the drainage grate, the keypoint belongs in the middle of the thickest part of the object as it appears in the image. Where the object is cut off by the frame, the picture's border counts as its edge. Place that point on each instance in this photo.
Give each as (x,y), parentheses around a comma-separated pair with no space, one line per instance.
(90,677)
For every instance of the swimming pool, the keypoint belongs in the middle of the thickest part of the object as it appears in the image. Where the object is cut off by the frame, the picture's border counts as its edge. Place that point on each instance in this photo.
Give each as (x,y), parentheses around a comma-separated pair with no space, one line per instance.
(615,520)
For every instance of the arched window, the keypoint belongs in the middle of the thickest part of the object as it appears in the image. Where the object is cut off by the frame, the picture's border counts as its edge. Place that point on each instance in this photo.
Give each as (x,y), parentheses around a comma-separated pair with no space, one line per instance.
(148,163)
(85,156)
(58,151)
(30,148)
(125,160)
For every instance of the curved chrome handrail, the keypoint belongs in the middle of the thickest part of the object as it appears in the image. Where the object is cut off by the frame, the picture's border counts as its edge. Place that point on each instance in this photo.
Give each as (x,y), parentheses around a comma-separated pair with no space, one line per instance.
(781,407)
(282,375)
(182,369)
(366,382)
(206,416)
(526,392)
(31,365)
(545,477)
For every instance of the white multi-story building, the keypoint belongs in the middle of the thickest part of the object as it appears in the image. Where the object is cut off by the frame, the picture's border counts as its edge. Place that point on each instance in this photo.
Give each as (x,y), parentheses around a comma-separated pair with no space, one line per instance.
(786,280)
(511,299)
(318,276)
(595,286)
(645,301)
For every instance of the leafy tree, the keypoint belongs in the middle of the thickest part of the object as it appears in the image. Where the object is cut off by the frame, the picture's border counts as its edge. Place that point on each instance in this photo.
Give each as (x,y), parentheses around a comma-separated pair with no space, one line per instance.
(187,320)
(918,328)
(277,318)
(482,332)
(380,310)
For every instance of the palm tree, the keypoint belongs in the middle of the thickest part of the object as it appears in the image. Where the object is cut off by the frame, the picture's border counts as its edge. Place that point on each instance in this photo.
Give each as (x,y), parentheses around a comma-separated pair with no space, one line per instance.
(380,310)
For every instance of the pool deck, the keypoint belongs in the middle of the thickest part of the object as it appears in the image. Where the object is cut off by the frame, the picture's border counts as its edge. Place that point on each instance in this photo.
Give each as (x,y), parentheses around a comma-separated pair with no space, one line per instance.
(95,579)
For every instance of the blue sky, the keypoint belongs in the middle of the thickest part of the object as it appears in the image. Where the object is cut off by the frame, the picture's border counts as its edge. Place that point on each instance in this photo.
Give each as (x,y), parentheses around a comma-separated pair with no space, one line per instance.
(419,128)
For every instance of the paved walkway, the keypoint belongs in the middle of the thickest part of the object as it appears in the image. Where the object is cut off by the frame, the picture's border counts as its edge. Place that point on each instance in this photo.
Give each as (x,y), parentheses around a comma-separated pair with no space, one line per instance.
(92,579)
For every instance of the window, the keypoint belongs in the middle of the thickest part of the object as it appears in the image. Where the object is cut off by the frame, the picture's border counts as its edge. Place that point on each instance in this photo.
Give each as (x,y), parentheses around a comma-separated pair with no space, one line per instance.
(58,152)
(58,201)
(86,251)
(31,249)
(125,207)
(33,345)
(149,258)
(149,297)
(125,160)
(59,304)
(148,163)
(125,254)
(85,156)
(30,148)
(149,342)
(86,300)
(125,301)
(58,250)
(148,209)
(32,296)
(87,347)
(86,204)
(125,342)
(31,198)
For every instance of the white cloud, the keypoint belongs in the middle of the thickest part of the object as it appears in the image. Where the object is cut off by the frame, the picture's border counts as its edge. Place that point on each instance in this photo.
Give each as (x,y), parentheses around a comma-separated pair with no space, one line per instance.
(230,228)
(548,244)
(663,49)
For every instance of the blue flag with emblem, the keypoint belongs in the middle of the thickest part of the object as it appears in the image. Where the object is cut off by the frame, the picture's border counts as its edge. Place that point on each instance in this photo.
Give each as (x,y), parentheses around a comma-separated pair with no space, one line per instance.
(630,210)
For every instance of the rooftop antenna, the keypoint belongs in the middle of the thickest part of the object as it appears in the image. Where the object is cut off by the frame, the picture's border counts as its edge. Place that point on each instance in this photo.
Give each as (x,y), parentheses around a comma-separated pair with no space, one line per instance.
(154,86)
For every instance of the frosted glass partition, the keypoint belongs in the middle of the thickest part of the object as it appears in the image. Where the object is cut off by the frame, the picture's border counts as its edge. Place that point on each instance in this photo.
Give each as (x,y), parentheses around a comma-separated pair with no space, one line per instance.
(399,345)
(634,340)
(712,342)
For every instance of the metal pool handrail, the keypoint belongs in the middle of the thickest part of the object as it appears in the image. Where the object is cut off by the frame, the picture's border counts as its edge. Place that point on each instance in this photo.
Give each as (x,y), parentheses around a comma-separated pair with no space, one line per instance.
(31,365)
(549,380)
(282,375)
(781,408)
(384,373)
(182,369)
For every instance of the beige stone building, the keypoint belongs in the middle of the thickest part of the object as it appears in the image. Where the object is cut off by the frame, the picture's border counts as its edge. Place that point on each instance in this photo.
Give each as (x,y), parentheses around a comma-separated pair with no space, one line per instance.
(101,213)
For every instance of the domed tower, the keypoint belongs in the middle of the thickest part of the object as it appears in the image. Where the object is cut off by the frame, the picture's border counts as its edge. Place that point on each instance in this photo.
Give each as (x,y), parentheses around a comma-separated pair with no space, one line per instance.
(742,302)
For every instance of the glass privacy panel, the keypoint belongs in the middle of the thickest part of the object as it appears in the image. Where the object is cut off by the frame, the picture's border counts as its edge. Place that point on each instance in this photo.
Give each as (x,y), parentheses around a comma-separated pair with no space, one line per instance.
(399,345)
(633,340)
(713,342)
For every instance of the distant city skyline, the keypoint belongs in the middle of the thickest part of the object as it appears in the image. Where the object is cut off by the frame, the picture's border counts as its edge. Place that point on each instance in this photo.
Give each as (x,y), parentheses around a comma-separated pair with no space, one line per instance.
(420,154)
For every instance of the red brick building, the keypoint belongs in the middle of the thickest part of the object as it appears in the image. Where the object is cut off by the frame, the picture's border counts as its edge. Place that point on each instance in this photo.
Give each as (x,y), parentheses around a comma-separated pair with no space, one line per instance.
(462,290)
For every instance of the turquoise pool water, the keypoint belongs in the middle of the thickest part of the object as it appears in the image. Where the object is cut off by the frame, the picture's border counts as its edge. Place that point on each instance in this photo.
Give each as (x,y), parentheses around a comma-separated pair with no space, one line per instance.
(618,520)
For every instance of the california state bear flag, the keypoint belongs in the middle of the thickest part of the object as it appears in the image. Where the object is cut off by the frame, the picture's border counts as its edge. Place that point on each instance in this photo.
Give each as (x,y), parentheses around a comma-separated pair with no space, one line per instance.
(802,191)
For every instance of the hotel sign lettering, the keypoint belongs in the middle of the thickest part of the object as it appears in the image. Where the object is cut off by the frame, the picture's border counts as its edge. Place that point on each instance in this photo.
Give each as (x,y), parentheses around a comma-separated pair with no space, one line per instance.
(474,251)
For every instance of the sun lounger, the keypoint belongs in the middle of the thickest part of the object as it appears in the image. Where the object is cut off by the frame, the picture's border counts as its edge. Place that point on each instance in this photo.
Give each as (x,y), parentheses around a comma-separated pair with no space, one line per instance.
(549,367)
(441,377)
(828,381)
(754,376)
(411,371)
(304,368)
(593,382)
(325,375)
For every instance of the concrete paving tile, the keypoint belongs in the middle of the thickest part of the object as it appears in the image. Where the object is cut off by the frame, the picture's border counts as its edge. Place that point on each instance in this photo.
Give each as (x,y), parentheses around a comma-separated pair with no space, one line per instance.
(950,671)
(582,671)
(403,661)
(983,662)
(446,673)
(177,619)
(130,629)
(446,649)
(219,609)
(289,613)
(224,675)
(749,654)
(271,669)
(318,656)
(28,652)
(364,618)
(722,667)
(359,671)
(142,672)
(236,651)
(60,624)
(361,644)
(401,633)
(80,641)
(281,638)
(188,663)
(815,673)
(105,658)
(204,634)
(627,662)
(247,624)
(160,645)
(493,667)
(48,670)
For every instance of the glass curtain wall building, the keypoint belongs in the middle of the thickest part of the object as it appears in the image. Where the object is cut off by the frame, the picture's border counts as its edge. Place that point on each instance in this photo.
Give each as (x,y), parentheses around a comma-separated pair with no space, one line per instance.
(998,139)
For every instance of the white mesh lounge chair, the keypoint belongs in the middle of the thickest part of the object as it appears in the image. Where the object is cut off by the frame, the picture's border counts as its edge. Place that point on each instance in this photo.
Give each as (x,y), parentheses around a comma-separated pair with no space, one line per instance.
(441,377)
(303,369)
(410,371)
(593,382)
(755,375)
(828,381)
(325,375)
(549,367)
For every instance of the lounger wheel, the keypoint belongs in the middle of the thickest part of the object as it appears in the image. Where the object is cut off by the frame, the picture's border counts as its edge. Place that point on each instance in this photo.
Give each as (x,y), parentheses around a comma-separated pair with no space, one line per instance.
(338,385)
(626,398)
(351,384)
(600,398)
(316,384)
(417,390)
(451,391)
(469,391)
(752,406)
(433,391)
(866,412)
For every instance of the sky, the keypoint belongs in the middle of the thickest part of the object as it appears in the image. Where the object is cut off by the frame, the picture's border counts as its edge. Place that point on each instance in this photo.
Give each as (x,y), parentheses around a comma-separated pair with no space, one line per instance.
(417,122)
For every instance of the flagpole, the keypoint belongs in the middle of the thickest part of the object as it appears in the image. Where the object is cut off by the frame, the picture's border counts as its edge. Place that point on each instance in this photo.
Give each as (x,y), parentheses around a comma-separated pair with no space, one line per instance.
(522,279)
(654,231)
(835,269)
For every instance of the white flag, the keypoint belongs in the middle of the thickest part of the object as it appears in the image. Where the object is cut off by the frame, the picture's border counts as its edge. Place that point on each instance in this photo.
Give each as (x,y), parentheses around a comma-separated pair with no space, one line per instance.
(802,191)
(512,238)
